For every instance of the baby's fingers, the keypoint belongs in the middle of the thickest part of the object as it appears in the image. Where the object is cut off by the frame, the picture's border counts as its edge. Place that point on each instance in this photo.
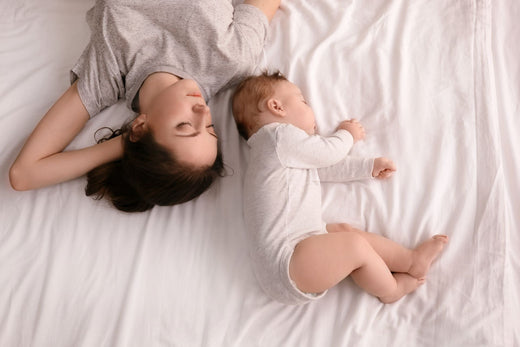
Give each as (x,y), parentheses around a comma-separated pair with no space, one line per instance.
(386,173)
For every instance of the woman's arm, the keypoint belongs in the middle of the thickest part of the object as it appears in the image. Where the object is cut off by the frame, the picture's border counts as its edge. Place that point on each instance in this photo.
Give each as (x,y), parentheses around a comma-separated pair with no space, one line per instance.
(42,162)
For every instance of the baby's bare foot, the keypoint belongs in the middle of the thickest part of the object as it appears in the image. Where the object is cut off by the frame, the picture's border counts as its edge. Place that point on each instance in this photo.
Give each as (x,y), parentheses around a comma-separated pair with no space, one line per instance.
(425,254)
(405,285)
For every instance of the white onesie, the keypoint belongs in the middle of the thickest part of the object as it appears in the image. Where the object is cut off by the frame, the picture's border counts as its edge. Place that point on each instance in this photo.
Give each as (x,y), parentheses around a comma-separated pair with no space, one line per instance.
(282,197)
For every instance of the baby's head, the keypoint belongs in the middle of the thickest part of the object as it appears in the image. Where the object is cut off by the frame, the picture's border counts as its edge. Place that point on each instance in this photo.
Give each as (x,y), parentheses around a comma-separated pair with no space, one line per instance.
(269,98)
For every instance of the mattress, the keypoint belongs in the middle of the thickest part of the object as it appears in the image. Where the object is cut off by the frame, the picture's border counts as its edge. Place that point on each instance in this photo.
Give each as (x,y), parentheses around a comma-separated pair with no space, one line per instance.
(436,85)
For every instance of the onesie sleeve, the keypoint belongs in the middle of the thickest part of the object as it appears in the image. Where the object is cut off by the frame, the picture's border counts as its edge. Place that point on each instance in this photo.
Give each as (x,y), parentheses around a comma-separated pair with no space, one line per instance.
(297,149)
(349,169)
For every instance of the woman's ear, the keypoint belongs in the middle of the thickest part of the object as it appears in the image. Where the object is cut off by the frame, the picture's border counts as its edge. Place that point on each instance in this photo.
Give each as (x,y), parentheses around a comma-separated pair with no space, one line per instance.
(276,107)
(138,127)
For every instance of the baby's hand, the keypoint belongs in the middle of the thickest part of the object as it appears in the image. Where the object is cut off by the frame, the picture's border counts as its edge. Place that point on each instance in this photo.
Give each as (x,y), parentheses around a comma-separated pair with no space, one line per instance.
(383,168)
(354,128)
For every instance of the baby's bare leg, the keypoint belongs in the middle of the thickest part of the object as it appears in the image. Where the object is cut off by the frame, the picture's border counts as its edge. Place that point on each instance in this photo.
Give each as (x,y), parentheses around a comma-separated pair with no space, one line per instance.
(425,254)
(416,262)
(396,257)
(405,284)
(320,262)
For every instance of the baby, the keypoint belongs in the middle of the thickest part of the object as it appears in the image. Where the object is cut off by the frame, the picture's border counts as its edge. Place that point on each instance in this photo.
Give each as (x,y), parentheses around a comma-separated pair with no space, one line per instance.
(296,256)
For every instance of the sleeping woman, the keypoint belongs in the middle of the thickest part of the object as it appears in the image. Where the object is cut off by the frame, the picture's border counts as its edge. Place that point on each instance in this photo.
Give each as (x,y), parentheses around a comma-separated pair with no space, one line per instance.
(167,59)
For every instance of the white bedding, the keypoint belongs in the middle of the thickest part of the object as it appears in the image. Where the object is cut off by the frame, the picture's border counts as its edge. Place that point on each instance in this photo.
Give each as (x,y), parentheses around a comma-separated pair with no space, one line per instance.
(436,85)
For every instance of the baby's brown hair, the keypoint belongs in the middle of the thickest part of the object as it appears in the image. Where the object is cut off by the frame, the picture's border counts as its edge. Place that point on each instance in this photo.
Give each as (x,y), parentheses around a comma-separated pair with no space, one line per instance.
(247,98)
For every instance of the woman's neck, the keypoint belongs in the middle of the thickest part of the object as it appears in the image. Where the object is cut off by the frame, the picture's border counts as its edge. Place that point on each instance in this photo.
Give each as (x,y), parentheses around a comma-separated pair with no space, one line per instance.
(152,86)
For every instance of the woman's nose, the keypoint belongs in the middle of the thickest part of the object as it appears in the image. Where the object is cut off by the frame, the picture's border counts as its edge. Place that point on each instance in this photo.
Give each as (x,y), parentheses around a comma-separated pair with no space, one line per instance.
(200,109)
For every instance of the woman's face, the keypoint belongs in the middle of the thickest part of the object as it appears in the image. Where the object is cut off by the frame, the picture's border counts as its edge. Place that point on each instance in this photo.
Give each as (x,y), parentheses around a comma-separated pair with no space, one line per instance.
(180,121)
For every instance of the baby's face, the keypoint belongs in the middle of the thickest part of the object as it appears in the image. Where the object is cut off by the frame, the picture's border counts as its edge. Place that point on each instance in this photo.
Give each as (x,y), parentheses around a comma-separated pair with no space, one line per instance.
(297,112)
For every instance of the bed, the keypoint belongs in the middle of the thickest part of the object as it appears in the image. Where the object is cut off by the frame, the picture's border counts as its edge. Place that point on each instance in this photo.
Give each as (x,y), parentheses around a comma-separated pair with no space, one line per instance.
(436,85)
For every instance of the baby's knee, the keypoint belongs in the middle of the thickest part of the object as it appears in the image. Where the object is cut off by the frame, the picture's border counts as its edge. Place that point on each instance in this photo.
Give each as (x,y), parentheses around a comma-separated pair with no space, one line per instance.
(349,228)
(339,227)
(356,243)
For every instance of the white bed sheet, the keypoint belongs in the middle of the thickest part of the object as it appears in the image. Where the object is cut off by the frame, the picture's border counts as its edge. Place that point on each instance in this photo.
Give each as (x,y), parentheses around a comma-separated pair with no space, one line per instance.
(436,85)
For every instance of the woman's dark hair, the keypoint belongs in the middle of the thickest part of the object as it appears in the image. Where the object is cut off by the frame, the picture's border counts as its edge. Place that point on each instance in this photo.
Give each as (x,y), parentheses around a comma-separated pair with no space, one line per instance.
(148,175)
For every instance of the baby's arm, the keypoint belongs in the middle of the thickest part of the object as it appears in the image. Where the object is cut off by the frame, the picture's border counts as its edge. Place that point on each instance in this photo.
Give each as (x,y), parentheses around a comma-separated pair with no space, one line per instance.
(355,168)
(297,149)
(42,161)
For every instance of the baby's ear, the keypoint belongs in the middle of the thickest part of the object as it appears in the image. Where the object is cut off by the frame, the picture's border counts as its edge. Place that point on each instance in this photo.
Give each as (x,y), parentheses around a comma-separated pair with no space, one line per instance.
(276,107)
(138,128)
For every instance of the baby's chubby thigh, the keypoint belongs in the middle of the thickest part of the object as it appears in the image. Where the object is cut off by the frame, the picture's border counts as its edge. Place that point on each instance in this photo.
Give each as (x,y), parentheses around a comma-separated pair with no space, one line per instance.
(321,261)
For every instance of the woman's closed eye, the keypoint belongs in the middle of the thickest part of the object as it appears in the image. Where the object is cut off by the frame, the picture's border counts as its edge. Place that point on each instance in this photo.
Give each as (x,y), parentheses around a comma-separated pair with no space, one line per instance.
(183,124)
(185,129)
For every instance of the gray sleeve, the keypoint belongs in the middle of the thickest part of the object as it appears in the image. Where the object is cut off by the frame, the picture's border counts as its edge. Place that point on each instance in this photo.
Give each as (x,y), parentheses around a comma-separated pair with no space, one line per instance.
(296,149)
(349,169)
(251,25)
(100,83)
(97,87)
